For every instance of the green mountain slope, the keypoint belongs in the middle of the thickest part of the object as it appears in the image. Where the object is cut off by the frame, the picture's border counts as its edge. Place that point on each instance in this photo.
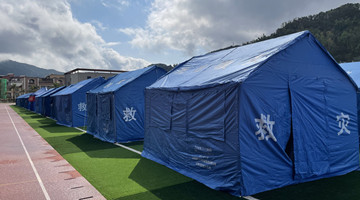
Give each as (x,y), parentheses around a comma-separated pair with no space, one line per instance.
(18,69)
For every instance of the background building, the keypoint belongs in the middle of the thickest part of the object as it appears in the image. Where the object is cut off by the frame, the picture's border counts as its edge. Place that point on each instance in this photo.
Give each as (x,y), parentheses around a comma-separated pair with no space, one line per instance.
(19,85)
(80,74)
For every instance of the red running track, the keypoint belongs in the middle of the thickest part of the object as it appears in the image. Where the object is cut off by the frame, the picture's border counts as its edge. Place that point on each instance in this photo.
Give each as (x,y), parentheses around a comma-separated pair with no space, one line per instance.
(31,169)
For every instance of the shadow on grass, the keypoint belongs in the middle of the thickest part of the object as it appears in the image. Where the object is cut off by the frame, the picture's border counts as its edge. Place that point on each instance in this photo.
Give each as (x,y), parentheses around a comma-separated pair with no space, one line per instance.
(340,187)
(46,121)
(36,116)
(54,128)
(165,183)
(96,148)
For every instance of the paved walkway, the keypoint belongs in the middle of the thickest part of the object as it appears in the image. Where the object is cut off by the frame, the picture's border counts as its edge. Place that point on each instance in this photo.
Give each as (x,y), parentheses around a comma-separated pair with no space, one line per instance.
(31,169)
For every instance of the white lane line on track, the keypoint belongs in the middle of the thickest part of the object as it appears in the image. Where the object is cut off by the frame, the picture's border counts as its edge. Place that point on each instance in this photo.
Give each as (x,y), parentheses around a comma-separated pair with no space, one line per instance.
(29,158)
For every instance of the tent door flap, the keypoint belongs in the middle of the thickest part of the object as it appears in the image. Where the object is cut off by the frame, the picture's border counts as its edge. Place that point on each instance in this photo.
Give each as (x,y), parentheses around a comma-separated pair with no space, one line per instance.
(309,126)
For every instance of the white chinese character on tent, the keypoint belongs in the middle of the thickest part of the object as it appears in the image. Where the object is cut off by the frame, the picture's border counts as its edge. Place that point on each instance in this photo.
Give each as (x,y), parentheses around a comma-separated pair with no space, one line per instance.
(265,127)
(82,106)
(343,123)
(129,114)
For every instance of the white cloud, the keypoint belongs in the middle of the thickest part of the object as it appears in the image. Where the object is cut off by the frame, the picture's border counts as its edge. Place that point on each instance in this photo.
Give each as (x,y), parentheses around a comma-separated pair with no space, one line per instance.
(111,44)
(118,4)
(98,25)
(189,25)
(44,33)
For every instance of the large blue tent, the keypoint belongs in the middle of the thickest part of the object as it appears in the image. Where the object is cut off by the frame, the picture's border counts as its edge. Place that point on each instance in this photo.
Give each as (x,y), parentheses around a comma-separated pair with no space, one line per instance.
(70,103)
(116,108)
(255,117)
(48,102)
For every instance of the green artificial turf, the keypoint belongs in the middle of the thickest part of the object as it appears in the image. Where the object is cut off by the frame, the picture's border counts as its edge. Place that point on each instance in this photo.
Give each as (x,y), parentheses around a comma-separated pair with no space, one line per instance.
(120,174)
(115,172)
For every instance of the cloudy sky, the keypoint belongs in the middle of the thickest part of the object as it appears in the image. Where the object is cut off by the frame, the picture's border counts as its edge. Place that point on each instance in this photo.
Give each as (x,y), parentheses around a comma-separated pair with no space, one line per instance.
(131,34)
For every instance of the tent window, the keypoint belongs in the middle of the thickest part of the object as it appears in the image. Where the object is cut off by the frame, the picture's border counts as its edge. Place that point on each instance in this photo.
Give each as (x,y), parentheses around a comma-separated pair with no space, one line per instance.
(206,115)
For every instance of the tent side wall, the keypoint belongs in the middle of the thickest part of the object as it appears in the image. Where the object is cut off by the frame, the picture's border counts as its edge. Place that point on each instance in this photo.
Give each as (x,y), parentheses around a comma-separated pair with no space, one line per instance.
(297,97)
(195,133)
(78,105)
(53,108)
(129,100)
(48,102)
(92,121)
(63,109)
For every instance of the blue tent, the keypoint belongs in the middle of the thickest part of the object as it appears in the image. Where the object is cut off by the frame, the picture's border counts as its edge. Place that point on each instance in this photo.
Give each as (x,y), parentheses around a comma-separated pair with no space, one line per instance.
(39,101)
(31,104)
(116,108)
(255,117)
(70,103)
(48,101)
(19,100)
(353,69)
(25,101)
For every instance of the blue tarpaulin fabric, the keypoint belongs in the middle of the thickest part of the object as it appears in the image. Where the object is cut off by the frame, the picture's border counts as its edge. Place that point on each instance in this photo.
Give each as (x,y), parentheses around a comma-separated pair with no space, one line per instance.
(116,108)
(47,101)
(39,101)
(70,102)
(353,69)
(20,100)
(24,100)
(31,105)
(256,117)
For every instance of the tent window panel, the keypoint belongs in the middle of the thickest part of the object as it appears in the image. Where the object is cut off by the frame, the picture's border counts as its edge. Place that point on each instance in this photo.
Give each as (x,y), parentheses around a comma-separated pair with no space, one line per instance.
(206,115)
(160,110)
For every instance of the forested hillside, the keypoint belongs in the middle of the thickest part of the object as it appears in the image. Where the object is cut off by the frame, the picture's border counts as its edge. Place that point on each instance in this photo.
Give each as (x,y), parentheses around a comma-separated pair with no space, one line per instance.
(338,30)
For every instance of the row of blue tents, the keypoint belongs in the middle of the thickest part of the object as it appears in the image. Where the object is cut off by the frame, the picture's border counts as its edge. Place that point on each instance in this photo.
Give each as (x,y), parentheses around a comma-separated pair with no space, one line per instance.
(242,120)
(113,109)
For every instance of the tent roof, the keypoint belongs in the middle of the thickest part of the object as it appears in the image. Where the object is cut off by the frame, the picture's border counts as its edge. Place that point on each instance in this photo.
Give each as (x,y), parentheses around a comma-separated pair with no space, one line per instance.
(53,91)
(24,96)
(353,69)
(75,87)
(230,65)
(43,94)
(39,92)
(121,80)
